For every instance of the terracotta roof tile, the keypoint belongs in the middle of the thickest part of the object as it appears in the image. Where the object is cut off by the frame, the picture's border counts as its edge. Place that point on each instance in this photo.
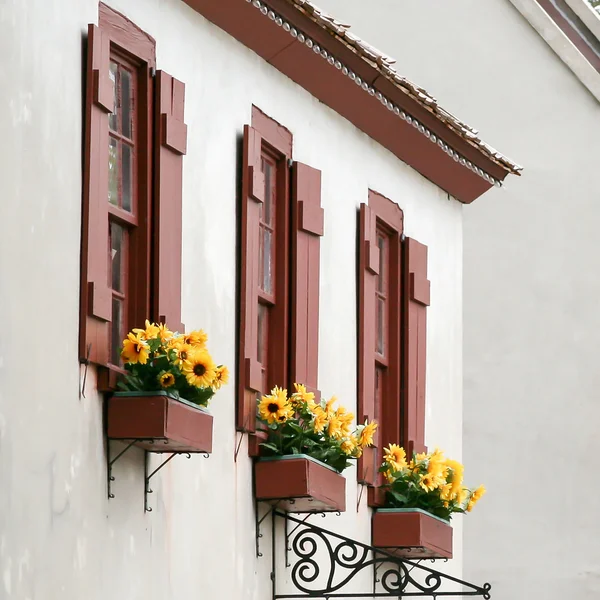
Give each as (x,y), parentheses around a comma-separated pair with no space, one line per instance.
(384,64)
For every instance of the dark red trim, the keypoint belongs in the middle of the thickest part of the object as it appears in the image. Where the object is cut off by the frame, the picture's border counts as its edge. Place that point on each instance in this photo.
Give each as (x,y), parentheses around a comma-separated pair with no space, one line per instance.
(276,135)
(170,147)
(416,301)
(127,35)
(245,23)
(307,229)
(575,36)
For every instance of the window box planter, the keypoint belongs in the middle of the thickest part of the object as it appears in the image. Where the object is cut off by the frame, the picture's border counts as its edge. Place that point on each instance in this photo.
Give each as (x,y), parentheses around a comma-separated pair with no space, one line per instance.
(159,423)
(300,484)
(411,533)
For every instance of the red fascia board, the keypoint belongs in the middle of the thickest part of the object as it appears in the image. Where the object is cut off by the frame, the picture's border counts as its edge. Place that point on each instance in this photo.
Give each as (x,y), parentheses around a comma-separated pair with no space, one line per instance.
(305,67)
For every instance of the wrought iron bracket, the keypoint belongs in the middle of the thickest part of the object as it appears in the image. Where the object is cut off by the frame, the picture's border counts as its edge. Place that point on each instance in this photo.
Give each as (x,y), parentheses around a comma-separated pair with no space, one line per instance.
(110,462)
(324,564)
(148,476)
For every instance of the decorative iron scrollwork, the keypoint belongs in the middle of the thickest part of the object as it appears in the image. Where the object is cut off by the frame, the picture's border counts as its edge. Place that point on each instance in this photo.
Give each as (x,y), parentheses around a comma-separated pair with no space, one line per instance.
(323,564)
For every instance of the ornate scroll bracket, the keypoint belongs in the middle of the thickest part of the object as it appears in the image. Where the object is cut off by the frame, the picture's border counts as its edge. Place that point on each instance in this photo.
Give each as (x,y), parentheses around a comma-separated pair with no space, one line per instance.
(324,564)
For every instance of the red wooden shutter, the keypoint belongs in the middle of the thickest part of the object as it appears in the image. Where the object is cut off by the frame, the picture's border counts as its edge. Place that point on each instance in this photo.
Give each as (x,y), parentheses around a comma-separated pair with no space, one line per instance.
(416,288)
(96,297)
(307,229)
(253,189)
(368,271)
(170,147)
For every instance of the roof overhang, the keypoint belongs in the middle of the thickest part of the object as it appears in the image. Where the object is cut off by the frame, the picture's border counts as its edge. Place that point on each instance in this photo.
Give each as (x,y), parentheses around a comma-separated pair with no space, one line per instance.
(359,83)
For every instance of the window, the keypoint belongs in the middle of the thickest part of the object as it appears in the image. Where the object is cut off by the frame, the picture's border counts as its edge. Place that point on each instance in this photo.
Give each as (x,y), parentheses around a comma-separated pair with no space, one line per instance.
(134,142)
(391,369)
(281,225)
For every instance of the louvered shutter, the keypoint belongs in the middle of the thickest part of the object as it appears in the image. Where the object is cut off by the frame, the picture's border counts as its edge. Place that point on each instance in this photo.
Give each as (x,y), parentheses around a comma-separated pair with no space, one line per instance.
(307,229)
(368,271)
(253,188)
(96,296)
(417,296)
(170,145)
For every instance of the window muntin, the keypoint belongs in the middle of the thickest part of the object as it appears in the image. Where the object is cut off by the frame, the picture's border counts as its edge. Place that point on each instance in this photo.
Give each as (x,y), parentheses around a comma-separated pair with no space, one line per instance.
(122,195)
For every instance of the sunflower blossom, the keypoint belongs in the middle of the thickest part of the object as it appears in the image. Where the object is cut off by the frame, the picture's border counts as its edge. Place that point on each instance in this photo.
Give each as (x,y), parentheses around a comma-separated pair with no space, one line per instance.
(135,349)
(395,457)
(199,369)
(275,408)
(366,434)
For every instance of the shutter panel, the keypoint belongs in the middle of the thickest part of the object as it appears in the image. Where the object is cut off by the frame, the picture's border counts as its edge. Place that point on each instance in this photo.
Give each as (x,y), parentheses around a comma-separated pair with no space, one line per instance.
(307,229)
(368,270)
(170,147)
(253,189)
(416,298)
(96,295)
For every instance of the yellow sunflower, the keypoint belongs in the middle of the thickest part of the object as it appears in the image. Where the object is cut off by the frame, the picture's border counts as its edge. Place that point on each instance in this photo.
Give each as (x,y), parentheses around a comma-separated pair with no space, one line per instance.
(166,380)
(348,446)
(164,333)
(395,457)
(301,395)
(275,408)
(329,407)
(345,418)
(476,495)
(428,482)
(334,428)
(221,377)
(199,368)
(149,333)
(320,420)
(462,495)
(446,492)
(366,435)
(184,351)
(457,471)
(135,349)
(196,338)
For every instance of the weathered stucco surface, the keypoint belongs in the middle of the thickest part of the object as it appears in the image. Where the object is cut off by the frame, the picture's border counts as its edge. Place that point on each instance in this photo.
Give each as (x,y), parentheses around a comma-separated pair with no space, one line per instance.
(531,287)
(60,537)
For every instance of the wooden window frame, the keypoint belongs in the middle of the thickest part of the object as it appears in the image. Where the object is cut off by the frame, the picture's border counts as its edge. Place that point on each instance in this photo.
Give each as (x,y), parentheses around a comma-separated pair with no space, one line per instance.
(153,278)
(293,337)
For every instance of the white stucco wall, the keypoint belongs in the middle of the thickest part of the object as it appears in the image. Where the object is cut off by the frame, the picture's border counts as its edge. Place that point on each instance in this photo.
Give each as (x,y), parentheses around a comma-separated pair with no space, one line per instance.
(531,288)
(60,537)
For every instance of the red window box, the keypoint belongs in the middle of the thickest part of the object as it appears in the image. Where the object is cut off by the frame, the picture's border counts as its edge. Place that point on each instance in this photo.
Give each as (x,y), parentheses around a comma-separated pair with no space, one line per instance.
(159,423)
(300,484)
(411,533)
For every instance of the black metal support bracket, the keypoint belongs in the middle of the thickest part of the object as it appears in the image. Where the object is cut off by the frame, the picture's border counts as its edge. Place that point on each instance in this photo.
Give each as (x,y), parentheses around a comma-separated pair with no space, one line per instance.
(324,564)
(110,462)
(148,476)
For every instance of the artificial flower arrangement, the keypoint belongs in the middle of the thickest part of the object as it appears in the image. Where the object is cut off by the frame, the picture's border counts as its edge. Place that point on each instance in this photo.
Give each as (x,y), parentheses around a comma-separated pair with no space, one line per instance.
(299,425)
(430,482)
(157,359)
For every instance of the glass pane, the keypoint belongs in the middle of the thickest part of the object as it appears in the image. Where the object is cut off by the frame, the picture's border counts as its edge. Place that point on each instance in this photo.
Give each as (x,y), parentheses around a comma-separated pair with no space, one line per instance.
(117,332)
(263,316)
(267,261)
(380,325)
(112,118)
(382,274)
(118,259)
(126,166)
(126,103)
(113,171)
(268,171)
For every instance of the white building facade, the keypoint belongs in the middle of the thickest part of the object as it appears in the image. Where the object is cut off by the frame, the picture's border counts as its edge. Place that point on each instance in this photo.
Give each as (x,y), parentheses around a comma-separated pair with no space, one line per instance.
(60,534)
(527,73)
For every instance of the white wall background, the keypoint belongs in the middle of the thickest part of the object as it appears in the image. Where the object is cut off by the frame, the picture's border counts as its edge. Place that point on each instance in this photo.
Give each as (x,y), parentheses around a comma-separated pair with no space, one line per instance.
(532,409)
(59,535)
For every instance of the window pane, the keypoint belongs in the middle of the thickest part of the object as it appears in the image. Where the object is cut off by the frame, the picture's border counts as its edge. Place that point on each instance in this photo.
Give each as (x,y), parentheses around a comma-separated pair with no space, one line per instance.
(382,274)
(380,326)
(117,332)
(118,258)
(263,317)
(267,268)
(126,103)
(126,166)
(268,171)
(112,118)
(113,171)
